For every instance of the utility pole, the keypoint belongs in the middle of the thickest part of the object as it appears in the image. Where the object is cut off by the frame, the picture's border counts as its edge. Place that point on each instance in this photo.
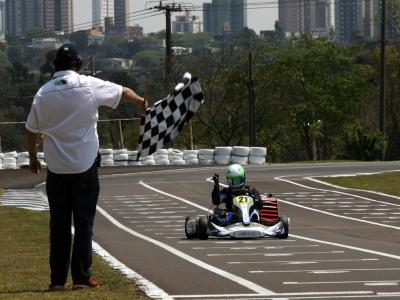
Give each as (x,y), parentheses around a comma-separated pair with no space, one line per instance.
(250,86)
(168,47)
(383,74)
(92,70)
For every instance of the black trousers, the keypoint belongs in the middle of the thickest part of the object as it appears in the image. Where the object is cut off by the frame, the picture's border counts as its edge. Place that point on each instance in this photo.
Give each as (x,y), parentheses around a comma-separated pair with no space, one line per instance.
(71,195)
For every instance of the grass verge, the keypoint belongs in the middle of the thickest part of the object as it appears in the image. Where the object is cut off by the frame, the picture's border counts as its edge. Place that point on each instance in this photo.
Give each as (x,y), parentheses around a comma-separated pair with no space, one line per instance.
(387,183)
(24,251)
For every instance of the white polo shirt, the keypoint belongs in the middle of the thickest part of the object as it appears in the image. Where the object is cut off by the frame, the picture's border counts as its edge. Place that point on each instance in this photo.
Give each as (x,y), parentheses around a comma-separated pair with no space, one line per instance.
(65,110)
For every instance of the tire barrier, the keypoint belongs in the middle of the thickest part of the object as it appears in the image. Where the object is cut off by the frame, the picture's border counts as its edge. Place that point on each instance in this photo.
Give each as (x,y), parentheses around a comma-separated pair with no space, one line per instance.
(122,157)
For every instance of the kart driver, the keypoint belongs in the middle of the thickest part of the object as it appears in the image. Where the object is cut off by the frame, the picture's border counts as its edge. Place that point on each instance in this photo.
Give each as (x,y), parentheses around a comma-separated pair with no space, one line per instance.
(236,179)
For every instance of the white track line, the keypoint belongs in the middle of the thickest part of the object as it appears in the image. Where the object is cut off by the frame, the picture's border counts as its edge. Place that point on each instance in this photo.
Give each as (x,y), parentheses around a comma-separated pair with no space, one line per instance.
(383,254)
(148,287)
(347,247)
(237,279)
(332,214)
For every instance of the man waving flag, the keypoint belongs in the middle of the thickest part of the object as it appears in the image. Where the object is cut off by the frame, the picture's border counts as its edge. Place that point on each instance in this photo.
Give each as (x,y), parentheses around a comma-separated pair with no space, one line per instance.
(165,120)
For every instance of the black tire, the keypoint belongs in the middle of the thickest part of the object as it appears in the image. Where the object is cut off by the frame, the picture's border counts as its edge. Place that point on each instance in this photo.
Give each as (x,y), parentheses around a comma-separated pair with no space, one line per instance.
(202,228)
(285,222)
(190,235)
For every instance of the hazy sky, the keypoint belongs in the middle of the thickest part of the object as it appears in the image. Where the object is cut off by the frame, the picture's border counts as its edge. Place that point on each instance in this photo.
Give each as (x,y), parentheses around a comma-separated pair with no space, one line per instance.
(257,19)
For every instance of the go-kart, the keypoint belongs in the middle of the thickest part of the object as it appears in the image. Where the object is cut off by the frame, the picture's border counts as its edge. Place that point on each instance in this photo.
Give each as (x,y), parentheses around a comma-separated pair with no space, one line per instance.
(244,222)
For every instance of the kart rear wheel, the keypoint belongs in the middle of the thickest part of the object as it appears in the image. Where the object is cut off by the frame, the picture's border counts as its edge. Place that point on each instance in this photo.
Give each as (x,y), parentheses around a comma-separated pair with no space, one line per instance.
(285,223)
(191,227)
(202,227)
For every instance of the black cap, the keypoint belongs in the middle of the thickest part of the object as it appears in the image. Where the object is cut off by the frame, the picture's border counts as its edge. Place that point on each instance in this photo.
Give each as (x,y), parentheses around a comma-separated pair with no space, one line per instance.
(67,57)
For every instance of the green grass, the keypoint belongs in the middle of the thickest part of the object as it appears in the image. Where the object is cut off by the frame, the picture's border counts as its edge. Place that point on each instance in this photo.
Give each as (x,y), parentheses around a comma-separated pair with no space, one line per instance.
(388,183)
(24,267)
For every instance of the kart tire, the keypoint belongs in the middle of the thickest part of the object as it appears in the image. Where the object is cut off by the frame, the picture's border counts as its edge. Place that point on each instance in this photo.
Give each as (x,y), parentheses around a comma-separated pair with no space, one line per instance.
(190,235)
(285,222)
(202,227)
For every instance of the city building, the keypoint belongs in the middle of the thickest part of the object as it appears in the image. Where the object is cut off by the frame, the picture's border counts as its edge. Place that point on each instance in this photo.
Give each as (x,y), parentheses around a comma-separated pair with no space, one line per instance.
(186,23)
(356,20)
(305,16)
(95,36)
(24,15)
(66,13)
(58,15)
(224,17)
(46,43)
(207,23)
(15,19)
(133,32)
(2,16)
(102,9)
(121,14)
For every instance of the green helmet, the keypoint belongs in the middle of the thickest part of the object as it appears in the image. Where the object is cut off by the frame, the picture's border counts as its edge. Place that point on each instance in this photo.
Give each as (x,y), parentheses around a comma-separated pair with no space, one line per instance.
(235,176)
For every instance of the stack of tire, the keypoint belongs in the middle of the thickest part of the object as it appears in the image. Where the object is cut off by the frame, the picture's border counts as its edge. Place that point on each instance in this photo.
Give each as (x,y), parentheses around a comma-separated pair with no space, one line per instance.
(22,159)
(175,156)
(206,156)
(132,159)
(121,157)
(240,155)
(148,160)
(107,157)
(10,160)
(257,155)
(161,157)
(223,155)
(191,157)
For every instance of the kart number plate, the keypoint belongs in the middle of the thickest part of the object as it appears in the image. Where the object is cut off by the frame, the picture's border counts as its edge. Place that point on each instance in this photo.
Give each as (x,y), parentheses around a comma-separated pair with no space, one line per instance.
(247,234)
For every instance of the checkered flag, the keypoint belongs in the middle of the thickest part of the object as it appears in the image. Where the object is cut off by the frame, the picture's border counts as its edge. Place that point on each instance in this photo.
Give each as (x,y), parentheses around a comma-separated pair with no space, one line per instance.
(165,120)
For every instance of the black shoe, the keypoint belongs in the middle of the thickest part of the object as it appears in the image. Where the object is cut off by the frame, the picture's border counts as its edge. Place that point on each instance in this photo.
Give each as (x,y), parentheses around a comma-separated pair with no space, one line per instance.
(56,288)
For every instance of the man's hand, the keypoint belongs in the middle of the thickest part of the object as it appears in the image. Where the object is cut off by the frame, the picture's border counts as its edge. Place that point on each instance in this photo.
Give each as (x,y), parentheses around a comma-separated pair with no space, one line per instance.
(130,96)
(216,179)
(143,105)
(35,166)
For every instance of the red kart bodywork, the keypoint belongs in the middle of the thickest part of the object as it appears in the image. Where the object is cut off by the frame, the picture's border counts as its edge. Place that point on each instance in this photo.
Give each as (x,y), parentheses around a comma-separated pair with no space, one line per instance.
(269,213)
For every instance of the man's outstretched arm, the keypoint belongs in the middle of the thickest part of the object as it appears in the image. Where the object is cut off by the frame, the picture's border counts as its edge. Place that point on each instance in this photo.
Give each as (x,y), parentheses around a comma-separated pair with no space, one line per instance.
(130,96)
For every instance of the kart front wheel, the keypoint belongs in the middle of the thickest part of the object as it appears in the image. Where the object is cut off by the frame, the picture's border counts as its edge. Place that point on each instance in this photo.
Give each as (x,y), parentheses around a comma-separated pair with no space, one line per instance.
(191,227)
(202,227)
(285,227)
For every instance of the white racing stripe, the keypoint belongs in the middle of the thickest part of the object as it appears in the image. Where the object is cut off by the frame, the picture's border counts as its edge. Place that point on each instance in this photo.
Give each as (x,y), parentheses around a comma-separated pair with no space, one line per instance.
(360,190)
(286,296)
(237,279)
(341,282)
(328,271)
(148,287)
(330,243)
(175,197)
(332,214)
(275,254)
(347,247)
(294,262)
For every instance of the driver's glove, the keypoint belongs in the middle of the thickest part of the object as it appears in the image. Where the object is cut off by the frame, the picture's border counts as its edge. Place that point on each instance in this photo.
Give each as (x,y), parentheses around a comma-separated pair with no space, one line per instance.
(216,179)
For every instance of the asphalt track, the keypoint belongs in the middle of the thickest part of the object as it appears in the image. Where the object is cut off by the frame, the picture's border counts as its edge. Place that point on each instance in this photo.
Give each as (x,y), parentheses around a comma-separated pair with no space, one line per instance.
(343,244)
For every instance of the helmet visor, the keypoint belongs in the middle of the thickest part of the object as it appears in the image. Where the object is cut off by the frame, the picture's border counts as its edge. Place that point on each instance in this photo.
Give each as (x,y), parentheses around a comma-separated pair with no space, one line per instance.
(236,182)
